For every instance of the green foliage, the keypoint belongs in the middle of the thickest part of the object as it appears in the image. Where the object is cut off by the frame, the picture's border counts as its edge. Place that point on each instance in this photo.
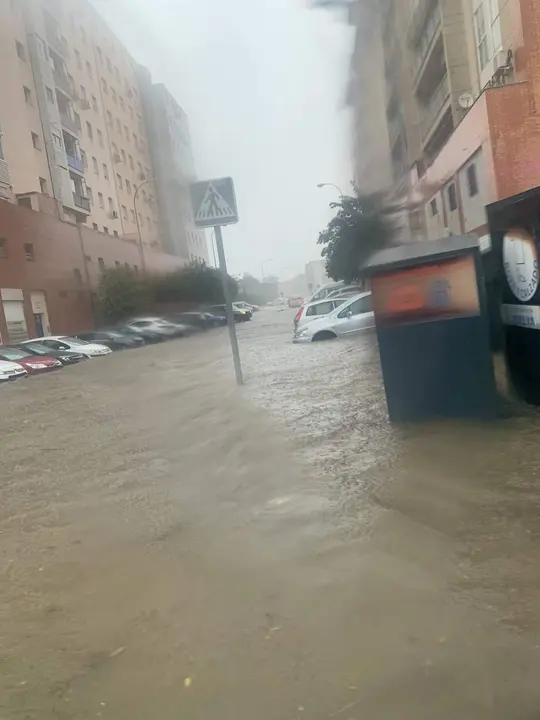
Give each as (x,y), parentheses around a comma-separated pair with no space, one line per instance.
(120,294)
(363,225)
(195,283)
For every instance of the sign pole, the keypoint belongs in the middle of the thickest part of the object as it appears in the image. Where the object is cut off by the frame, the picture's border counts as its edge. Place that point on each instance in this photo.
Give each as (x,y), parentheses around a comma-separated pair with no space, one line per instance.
(228,304)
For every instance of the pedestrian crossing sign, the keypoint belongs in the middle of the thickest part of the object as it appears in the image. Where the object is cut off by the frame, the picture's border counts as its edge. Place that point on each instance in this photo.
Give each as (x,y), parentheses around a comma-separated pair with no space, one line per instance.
(214,202)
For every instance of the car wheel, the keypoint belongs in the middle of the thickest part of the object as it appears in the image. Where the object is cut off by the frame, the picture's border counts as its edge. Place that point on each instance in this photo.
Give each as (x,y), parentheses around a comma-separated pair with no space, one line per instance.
(325,335)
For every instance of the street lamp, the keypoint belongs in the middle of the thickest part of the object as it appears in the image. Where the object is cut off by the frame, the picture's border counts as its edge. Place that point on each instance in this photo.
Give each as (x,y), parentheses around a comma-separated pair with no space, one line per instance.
(135,196)
(321,185)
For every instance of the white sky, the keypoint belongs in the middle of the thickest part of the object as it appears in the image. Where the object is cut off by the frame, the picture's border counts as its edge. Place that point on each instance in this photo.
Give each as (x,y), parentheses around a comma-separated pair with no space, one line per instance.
(263,83)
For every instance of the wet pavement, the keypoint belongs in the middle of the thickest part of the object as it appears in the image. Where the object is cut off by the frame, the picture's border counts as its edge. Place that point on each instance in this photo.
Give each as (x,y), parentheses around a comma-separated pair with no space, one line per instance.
(171,547)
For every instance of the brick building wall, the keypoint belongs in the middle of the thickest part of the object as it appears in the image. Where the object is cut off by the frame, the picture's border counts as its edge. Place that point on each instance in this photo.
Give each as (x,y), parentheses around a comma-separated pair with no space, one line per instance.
(39,252)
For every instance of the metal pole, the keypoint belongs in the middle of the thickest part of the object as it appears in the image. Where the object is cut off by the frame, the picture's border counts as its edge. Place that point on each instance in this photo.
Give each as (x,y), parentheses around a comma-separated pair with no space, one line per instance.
(228,304)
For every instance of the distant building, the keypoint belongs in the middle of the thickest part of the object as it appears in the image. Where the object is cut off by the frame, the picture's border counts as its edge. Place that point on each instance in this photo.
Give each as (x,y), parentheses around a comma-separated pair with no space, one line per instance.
(316,275)
(172,158)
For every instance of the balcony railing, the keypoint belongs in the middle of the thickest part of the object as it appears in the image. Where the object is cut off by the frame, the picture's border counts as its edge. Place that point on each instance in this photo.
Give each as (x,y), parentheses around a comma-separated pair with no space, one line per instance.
(75,163)
(69,123)
(437,102)
(81,202)
(62,82)
(5,177)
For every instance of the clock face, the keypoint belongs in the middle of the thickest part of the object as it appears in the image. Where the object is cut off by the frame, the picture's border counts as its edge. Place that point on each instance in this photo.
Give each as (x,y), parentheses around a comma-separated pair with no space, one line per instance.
(520,259)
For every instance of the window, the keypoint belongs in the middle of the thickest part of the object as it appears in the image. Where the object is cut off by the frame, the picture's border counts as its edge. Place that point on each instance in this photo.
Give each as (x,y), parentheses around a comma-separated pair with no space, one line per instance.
(89,69)
(124,212)
(135,140)
(472,180)
(141,221)
(114,149)
(104,86)
(94,103)
(144,195)
(119,181)
(111,205)
(128,187)
(113,94)
(84,158)
(99,53)
(78,276)
(77,120)
(95,165)
(21,52)
(109,64)
(105,171)
(132,213)
(109,118)
(118,125)
(452,197)
(89,131)
(117,73)
(50,96)
(25,202)
(29,252)
(43,186)
(123,155)
(121,101)
(83,34)
(126,132)
(100,200)
(434,207)
(3,248)
(90,195)
(105,230)
(100,138)
(101,263)
(131,163)
(363,305)
(35,141)
(95,226)
(148,222)
(482,40)
(115,233)
(83,94)
(78,59)
(27,95)
(141,173)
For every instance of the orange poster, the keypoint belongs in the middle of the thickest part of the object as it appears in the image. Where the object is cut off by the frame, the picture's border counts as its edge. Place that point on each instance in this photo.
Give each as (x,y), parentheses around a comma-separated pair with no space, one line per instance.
(438,291)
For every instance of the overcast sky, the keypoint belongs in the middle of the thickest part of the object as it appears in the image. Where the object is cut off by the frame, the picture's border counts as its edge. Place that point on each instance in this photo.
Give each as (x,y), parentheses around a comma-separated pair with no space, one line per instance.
(263,83)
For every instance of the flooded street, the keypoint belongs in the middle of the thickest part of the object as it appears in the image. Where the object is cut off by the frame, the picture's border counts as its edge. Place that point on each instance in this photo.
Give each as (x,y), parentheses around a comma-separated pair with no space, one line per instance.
(172,547)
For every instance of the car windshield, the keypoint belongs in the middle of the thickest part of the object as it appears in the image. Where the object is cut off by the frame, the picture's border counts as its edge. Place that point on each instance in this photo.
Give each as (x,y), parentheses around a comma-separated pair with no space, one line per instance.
(14,353)
(37,348)
(72,341)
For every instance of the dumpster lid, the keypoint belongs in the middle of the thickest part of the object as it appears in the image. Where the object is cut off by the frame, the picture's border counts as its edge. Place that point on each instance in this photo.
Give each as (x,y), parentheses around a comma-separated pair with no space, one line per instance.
(422,251)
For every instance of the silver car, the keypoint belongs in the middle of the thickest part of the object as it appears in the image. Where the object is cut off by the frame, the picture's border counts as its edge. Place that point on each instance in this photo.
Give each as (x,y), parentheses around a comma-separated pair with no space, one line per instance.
(353,316)
(314,310)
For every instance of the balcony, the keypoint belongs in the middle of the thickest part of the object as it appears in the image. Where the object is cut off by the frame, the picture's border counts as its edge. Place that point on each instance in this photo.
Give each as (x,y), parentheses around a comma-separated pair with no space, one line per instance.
(69,123)
(75,163)
(5,181)
(62,82)
(83,203)
(417,19)
(57,42)
(434,109)
(430,49)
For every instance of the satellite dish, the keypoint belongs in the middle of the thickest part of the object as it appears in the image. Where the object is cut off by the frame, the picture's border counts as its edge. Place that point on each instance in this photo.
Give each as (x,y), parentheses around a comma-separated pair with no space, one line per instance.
(466,101)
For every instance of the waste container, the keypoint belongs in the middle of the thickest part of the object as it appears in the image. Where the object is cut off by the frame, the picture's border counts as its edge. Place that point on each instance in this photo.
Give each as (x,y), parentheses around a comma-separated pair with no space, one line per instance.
(433,330)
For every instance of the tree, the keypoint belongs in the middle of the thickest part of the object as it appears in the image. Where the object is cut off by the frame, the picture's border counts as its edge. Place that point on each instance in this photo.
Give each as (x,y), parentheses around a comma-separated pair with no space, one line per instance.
(195,283)
(121,294)
(363,225)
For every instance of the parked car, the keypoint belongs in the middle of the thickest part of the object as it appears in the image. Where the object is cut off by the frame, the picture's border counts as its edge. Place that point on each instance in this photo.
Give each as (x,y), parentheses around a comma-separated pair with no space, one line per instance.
(66,357)
(197,320)
(346,291)
(11,371)
(295,301)
(341,288)
(239,315)
(31,363)
(241,305)
(160,326)
(354,316)
(111,339)
(149,337)
(65,342)
(311,311)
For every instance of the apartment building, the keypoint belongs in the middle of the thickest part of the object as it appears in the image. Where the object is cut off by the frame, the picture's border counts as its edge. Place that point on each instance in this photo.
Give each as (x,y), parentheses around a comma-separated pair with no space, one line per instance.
(462,90)
(72,120)
(171,150)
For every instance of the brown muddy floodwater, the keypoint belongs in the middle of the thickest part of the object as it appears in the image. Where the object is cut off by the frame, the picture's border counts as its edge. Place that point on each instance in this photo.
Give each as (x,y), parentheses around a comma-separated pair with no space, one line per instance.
(173,548)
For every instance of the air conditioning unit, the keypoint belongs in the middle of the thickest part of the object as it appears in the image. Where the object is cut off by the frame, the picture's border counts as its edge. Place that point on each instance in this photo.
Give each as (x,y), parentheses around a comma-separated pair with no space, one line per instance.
(113,215)
(503,63)
(116,158)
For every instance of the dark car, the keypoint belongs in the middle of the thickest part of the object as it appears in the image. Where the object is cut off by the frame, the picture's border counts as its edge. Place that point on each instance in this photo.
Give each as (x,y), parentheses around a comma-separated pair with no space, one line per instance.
(111,339)
(33,364)
(239,315)
(66,357)
(200,320)
(149,336)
